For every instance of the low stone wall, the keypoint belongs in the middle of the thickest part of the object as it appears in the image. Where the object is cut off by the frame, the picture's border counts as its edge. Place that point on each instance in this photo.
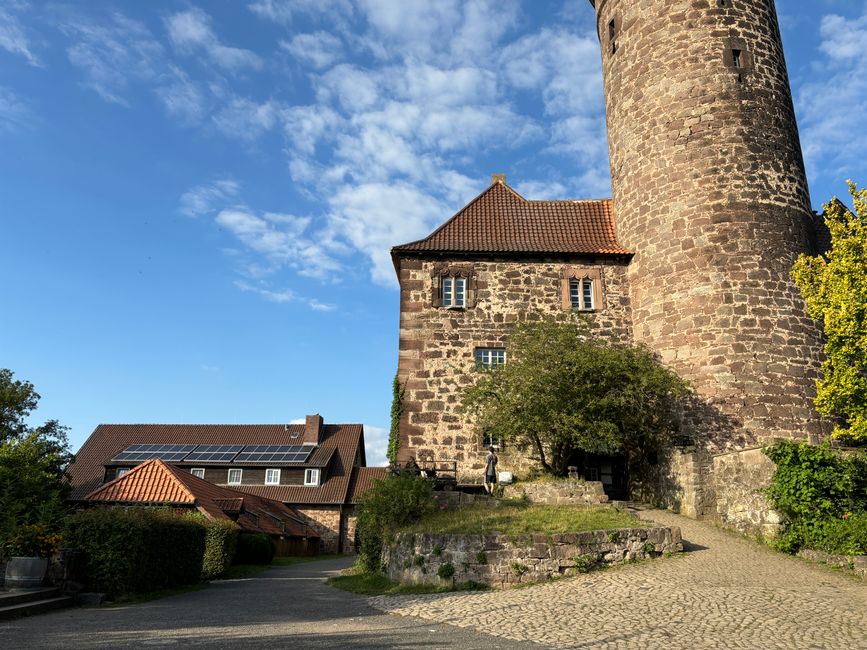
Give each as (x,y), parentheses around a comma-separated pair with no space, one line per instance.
(740,481)
(855,563)
(502,560)
(567,491)
(455,499)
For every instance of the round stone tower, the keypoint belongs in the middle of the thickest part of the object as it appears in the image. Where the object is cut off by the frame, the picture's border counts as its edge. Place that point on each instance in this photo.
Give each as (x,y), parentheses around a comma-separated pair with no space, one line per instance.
(710,192)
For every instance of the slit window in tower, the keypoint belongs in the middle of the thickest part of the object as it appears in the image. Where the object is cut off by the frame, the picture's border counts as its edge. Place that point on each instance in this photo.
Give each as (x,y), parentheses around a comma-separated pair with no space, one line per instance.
(612,35)
(736,59)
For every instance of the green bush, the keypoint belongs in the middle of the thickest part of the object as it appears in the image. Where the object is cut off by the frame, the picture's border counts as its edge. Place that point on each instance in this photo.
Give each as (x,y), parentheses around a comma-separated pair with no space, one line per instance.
(391,503)
(221,541)
(823,495)
(254,548)
(446,571)
(137,550)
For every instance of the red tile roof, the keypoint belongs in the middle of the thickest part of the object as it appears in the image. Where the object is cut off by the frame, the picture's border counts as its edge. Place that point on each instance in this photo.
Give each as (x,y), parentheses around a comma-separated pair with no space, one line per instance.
(362,481)
(156,483)
(500,220)
(341,442)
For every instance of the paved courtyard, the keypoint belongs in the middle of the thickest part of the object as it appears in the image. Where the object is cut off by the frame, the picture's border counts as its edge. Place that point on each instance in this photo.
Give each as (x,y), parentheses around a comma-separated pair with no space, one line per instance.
(728,592)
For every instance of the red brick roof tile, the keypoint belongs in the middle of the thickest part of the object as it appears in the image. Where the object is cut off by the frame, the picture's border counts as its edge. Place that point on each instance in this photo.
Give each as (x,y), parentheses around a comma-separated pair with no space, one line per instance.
(500,220)
(362,481)
(156,483)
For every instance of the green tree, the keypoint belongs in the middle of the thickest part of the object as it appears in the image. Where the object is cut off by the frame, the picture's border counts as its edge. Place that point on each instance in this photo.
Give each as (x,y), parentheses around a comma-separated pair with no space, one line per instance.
(563,391)
(33,460)
(835,290)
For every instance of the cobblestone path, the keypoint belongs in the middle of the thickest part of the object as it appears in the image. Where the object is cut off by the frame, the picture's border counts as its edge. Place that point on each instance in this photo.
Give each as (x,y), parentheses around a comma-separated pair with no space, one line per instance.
(728,592)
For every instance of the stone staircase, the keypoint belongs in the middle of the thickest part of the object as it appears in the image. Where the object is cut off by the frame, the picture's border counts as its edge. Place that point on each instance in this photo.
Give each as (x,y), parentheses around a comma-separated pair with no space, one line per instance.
(25,603)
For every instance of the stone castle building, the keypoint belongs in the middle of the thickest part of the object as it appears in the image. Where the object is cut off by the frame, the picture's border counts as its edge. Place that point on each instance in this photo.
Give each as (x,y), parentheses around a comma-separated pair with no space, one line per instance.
(692,256)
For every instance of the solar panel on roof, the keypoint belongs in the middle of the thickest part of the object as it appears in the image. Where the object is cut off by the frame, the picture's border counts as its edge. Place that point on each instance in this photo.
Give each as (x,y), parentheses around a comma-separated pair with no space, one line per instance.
(138,453)
(214,454)
(274,454)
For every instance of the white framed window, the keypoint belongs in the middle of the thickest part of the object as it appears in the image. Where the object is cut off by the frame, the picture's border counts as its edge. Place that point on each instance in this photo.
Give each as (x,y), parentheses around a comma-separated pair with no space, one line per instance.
(311,476)
(198,472)
(490,357)
(121,471)
(272,477)
(454,292)
(581,294)
(235,476)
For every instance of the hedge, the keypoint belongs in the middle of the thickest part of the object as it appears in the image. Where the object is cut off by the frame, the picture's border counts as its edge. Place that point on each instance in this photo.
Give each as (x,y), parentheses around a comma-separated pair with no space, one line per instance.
(221,539)
(254,548)
(137,550)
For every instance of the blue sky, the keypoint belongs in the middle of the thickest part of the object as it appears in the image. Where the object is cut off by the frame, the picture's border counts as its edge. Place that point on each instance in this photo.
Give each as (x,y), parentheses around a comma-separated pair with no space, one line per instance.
(197,198)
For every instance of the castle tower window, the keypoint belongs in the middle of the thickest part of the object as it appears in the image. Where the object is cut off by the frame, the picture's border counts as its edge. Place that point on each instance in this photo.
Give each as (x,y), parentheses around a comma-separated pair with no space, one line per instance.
(612,35)
(490,357)
(454,292)
(581,288)
(581,294)
(736,59)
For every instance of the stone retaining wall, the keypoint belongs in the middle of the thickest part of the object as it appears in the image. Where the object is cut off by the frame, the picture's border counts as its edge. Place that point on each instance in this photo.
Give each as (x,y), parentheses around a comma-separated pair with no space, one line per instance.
(502,561)
(855,563)
(566,492)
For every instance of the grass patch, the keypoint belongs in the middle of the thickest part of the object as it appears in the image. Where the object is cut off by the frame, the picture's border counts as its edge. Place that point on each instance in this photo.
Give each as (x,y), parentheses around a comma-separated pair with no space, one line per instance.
(516,517)
(359,581)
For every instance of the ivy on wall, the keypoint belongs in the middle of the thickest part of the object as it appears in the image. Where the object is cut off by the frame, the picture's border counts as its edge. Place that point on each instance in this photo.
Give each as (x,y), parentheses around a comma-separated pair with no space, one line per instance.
(397,392)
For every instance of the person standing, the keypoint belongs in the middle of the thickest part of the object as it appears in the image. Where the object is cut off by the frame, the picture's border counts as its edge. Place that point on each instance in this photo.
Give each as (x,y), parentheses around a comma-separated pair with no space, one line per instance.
(490,471)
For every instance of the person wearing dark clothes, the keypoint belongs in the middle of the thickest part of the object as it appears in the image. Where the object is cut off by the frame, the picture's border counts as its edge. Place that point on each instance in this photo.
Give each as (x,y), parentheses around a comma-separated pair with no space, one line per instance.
(490,471)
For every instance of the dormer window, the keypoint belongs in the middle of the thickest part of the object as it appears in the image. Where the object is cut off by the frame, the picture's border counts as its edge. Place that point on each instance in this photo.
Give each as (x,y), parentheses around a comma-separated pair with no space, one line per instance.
(454,292)
(311,476)
(121,471)
(272,477)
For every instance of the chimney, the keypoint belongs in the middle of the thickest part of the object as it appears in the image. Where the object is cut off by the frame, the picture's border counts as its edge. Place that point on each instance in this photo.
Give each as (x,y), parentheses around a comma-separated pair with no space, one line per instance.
(498,178)
(313,429)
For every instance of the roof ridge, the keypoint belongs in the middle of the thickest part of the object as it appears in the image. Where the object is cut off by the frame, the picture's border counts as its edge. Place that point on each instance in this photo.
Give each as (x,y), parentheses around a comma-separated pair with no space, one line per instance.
(148,464)
(489,188)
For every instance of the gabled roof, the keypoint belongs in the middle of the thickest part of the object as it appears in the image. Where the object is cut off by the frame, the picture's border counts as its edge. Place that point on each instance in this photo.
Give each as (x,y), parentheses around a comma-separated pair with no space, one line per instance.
(339,444)
(156,483)
(500,220)
(363,480)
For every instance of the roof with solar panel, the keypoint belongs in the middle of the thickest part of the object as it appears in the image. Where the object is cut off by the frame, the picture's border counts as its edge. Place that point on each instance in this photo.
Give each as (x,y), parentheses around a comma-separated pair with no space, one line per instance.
(331,449)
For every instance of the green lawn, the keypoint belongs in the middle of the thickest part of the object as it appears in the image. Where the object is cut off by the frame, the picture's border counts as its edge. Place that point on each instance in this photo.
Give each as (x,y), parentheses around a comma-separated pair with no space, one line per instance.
(518,518)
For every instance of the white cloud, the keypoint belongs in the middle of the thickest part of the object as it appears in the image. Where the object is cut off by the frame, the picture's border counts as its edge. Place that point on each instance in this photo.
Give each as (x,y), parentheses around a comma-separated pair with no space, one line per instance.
(191,30)
(114,55)
(373,217)
(13,36)
(829,106)
(375,445)
(319,49)
(355,89)
(246,119)
(306,125)
(181,96)
(284,296)
(14,113)
(284,11)
(205,199)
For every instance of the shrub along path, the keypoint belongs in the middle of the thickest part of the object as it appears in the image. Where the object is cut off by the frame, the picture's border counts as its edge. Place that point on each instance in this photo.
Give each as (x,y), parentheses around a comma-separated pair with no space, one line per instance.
(727,592)
(278,608)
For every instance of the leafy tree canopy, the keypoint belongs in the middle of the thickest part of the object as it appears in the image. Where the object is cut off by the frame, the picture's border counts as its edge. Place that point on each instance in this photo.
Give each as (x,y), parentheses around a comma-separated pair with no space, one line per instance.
(33,460)
(835,290)
(563,391)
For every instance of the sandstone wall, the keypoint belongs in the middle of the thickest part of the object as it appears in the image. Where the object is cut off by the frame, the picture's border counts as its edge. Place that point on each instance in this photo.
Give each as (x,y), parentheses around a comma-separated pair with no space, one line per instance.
(503,561)
(567,492)
(326,521)
(437,345)
(710,191)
